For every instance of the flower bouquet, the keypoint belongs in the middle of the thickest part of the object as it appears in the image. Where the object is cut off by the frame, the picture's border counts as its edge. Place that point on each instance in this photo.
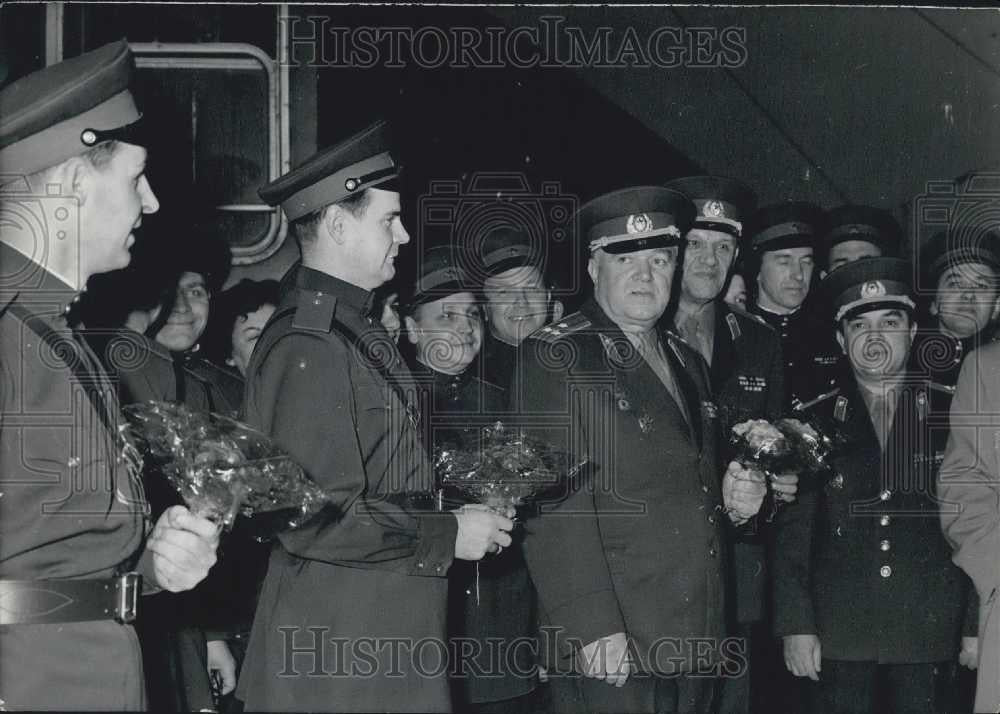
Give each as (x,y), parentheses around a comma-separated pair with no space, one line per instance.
(786,446)
(221,467)
(501,468)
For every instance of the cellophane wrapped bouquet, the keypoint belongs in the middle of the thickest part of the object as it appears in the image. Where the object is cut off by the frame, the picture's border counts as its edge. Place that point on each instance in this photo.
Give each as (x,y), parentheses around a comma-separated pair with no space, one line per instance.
(222,467)
(501,467)
(785,446)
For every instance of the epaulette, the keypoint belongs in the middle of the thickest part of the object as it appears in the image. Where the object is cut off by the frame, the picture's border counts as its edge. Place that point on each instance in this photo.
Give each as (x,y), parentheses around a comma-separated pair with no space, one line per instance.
(568,325)
(937,386)
(314,311)
(802,406)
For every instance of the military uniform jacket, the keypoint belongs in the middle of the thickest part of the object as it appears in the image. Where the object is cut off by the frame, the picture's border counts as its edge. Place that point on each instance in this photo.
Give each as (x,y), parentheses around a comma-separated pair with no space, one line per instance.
(502,605)
(634,545)
(748,383)
(497,361)
(368,571)
(861,561)
(812,356)
(72,506)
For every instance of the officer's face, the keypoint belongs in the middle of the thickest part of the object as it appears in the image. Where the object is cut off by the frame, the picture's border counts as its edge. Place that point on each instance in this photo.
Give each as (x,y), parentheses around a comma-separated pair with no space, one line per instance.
(116,197)
(784,278)
(633,288)
(877,343)
(967,299)
(851,250)
(707,258)
(246,332)
(190,314)
(517,303)
(373,240)
(447,332)
(736,295)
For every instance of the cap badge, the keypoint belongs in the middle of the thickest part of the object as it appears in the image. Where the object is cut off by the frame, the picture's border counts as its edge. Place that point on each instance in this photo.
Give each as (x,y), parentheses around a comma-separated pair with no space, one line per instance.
(714,209)
(638,223)
(873,289)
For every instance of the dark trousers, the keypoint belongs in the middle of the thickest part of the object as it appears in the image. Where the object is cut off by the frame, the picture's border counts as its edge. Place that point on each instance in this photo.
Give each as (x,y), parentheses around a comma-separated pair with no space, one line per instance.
(641,694)
(872,688)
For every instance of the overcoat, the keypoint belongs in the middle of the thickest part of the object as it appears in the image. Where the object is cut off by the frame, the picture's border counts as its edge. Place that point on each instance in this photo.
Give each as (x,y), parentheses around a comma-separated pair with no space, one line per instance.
(351,615)
(970,512)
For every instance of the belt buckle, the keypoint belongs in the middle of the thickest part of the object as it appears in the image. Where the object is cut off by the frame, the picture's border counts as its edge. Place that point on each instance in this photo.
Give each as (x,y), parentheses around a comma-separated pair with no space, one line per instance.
(127,588)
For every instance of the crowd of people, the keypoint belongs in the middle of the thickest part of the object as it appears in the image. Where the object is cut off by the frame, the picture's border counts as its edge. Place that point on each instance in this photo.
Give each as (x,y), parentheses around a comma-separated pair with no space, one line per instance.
(663,574)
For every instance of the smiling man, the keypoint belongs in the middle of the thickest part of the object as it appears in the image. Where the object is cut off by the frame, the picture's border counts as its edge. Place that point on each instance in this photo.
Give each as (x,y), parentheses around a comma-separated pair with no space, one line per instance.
(518,300)
(643,521)
(365,581)
(867,601)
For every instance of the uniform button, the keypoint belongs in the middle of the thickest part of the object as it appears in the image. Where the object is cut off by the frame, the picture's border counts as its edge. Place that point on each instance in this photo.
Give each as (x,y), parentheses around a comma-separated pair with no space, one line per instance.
(885,571)
(884,545)
(704,488)
(73,462)
(711,518)
(420,565)
(885,495)
(316,301)
(884,520)
(712,552)
(838,481)
(839,530)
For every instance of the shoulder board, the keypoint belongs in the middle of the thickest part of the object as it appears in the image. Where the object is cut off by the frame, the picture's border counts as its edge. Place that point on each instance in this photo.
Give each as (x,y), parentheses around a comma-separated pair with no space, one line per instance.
(802,406)
(314,311)
(568,325)
(734,326)
(938,387)
(678,337)
(679,345)
(737,310)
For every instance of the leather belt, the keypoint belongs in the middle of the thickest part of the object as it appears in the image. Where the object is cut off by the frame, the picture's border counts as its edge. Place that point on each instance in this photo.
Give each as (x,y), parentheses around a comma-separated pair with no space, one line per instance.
(49,602)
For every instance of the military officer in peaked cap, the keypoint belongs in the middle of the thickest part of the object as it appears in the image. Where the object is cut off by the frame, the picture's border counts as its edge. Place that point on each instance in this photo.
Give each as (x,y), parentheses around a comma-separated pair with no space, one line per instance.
(853,232)
(491,604)
(511,266)
(645,517)
(962,266)
(745,366)
(867,600)
(75,550)
(783,242)
(327,382)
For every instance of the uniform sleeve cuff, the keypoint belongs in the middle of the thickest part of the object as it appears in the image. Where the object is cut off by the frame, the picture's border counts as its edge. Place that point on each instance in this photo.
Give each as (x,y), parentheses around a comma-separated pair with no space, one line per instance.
(587,619)
(435,544)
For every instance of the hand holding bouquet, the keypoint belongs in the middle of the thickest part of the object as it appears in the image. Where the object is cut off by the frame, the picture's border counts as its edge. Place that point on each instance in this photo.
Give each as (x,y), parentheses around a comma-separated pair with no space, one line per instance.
(500,468)
(780,450)
(221,466)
